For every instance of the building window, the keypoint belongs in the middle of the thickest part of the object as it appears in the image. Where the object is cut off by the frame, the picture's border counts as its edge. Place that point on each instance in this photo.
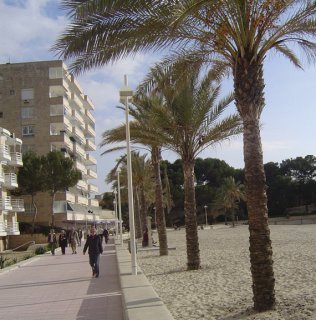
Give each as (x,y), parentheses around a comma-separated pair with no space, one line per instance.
(12,92)
(28,130)
(27,113)
(1,114)
(56,73)
(27,94)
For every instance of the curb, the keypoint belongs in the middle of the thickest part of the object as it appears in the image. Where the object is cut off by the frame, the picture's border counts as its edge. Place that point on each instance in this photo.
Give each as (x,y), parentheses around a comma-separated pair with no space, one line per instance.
(140,300)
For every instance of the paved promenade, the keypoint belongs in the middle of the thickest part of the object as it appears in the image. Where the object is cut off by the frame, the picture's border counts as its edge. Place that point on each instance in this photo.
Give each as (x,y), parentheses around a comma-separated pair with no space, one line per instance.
(61,287)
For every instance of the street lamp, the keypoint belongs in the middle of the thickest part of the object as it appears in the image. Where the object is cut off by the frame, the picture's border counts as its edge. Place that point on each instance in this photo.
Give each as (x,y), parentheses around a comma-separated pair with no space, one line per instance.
(115,208)
(205,208)
(118,171)
(126,93)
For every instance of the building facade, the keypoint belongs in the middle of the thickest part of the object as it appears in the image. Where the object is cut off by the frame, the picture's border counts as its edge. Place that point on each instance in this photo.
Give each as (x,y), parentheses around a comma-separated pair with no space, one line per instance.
(10,160)
(46,108)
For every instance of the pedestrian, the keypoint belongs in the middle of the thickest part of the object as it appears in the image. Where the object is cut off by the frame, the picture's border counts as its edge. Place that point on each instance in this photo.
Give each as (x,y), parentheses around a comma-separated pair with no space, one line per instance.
(73,240)
(52,241)
(100,233)
(106,235)
(80,236)
(62,240)
(93,242)
(145,238)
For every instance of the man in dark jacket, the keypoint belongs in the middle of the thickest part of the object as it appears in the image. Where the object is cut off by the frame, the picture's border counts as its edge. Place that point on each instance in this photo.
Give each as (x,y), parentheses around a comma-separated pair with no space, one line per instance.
(95,249)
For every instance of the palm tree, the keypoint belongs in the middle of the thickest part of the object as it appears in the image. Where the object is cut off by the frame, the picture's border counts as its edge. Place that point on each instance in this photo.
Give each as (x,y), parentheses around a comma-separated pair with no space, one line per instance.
(236,33)
(187,122)
(229,195)
(140,111)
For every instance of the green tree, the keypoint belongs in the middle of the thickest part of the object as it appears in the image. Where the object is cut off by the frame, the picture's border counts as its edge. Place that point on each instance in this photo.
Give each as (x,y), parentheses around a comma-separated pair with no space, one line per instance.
(139,131)
(229,195)
(187,122)
(59,174)
(31,179)
(238,34)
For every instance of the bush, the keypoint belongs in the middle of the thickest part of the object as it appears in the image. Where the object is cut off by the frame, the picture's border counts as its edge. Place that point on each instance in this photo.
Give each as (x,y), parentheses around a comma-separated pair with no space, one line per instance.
(40,250)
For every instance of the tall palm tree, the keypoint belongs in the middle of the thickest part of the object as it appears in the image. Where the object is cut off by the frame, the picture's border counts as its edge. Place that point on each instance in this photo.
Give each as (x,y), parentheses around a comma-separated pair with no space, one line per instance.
(235,33)
(187,122)
(140,111)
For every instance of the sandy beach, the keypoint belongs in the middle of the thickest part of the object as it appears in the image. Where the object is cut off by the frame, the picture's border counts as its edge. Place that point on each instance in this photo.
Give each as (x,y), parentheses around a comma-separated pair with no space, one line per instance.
(221,289)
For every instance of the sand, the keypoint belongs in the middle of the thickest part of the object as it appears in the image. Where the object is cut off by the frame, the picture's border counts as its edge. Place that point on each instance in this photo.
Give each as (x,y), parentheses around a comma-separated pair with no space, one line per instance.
(221,289)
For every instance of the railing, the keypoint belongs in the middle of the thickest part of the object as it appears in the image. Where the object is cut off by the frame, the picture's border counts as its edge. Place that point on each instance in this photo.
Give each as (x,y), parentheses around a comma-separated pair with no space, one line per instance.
(5,203)
(12,227)
(4,152)
(24,244)
(17,205)
(16,158)
(2,227)
(10,180)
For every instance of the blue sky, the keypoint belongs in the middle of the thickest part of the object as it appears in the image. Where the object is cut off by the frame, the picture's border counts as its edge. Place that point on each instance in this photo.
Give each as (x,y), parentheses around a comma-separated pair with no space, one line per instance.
(28,28)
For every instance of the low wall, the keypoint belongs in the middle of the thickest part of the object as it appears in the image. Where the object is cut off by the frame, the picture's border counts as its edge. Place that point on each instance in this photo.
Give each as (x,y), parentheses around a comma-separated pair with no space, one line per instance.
(16,241)
(304,219)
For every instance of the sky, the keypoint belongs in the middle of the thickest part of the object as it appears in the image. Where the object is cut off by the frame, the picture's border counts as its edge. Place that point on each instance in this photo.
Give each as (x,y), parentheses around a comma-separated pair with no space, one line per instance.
(29,28)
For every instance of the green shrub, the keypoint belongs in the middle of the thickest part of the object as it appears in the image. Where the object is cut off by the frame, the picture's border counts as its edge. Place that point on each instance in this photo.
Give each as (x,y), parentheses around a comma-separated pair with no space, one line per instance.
(28,256)
(3,261)
(40,250)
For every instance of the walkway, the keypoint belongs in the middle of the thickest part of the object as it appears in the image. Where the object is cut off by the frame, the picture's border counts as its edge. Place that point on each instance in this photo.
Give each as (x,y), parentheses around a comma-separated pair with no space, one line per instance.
(61,287)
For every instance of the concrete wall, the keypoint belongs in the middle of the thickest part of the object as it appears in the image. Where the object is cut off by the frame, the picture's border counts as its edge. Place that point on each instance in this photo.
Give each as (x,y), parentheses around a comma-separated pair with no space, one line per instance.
(15,241)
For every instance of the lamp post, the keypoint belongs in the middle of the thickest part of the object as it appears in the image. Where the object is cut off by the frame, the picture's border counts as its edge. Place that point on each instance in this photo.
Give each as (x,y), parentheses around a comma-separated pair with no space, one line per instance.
(118,171)
(126,93)
(205,209)
(115,209)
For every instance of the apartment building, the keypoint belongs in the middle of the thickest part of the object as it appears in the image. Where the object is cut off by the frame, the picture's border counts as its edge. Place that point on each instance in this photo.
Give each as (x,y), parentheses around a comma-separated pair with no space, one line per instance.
(46,108)
(10,160)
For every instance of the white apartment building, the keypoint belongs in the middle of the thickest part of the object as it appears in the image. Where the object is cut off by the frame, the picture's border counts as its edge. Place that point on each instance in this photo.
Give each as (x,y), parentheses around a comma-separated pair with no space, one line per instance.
(10,160)
(46,108)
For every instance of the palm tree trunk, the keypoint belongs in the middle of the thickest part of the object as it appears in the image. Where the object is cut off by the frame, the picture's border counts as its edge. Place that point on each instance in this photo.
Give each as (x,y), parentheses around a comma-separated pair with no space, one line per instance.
(143,208)
(192,241)
(137,220)
(160,216)
(249,97)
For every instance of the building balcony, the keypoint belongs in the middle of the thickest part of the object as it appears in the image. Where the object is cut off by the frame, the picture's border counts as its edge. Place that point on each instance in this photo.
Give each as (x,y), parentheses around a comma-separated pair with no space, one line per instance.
(90,145)
(77,118)
(3,229)
(93,202)
(5,204)
(1,178)
(4,153)
(89,116)
(79,150)
(70,197)
(76,102)
(81,200)
(16,159)
(12,228)
(89,131)
(81,167)
(91,174)
(90,160)
(78,134)
(10,180)
(17,205)
(82,185)
(88,104)
(93,188)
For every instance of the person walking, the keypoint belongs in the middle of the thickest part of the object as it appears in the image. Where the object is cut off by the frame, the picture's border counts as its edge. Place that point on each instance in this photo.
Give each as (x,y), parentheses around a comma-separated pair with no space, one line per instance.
(106,235)
(52,241)
(80,236)
(93,242)
(62,240)
(73,240)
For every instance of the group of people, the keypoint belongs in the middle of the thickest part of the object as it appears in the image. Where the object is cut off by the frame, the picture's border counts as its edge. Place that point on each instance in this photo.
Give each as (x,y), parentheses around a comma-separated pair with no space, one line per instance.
(93,244)
(73,238)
